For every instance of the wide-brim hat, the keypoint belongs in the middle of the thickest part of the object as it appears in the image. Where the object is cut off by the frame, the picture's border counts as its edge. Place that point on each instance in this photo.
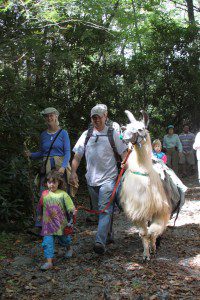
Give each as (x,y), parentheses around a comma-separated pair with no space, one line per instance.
(49,110)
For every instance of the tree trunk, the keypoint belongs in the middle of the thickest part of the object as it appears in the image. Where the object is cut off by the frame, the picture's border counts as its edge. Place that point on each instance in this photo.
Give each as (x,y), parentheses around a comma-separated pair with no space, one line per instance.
(190,9)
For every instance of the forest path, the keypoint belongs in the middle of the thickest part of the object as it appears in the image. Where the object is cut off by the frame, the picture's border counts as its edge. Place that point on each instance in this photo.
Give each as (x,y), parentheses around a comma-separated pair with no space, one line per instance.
(119,274)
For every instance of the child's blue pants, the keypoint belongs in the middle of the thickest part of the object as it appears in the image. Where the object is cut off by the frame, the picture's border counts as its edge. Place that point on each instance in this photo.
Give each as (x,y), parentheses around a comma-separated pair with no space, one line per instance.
(48,243)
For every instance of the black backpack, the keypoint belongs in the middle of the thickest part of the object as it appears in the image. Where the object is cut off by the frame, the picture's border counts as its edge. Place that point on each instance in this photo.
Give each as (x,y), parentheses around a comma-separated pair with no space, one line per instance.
(110,138)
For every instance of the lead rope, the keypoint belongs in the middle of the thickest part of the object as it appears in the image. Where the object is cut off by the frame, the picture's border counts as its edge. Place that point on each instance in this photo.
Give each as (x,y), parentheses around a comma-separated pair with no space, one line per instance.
(98,212)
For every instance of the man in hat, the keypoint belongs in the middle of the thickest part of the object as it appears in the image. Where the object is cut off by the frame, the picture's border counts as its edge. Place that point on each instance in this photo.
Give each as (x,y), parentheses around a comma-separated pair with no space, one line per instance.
(91,218)
(101,168)
(173,148)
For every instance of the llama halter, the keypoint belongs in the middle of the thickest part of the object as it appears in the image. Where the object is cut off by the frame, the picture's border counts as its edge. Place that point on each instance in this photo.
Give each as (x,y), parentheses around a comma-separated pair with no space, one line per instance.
(139,173)
(135,132)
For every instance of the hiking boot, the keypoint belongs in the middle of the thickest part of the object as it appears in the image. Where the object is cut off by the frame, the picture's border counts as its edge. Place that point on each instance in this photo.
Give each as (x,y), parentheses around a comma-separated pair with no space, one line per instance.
(46,266)
(99,248)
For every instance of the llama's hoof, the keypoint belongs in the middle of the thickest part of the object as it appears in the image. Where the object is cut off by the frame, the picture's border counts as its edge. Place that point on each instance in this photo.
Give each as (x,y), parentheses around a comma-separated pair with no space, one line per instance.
(153,252)
(153,255)
(146,259)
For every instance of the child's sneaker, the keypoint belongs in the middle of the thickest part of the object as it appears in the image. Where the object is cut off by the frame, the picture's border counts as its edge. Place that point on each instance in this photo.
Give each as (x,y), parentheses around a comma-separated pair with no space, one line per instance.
(46,266)
(69,253)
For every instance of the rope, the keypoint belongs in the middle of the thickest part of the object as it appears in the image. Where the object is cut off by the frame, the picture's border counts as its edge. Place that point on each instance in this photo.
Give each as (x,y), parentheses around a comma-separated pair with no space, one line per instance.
(98,212)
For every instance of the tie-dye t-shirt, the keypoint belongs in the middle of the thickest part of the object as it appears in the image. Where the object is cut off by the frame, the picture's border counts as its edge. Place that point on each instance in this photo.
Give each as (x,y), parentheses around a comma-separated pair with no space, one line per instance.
(52,208)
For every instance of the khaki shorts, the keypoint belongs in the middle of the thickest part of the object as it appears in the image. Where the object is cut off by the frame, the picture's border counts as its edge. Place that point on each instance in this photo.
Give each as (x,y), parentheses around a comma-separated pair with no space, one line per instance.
(187,158)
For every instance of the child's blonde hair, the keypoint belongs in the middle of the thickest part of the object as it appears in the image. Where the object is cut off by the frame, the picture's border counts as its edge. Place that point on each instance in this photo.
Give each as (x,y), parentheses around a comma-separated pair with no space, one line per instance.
(56,176)
(156,142)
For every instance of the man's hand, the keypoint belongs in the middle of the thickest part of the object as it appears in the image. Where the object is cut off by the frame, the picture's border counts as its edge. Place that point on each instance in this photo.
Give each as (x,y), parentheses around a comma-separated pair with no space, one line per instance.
(73,178)
(123,156)
(124,165)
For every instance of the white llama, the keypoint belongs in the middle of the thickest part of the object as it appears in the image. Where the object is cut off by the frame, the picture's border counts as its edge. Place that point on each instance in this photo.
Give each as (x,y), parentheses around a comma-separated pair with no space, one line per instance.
(142,195)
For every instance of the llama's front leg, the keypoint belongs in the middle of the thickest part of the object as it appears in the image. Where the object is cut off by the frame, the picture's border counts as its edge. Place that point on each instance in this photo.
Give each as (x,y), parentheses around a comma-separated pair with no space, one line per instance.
(156,229)
(143,232)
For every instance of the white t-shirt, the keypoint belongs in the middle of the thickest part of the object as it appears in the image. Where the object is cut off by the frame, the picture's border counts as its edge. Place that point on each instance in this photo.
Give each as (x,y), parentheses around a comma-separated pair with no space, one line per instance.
(101,163)
(196,145)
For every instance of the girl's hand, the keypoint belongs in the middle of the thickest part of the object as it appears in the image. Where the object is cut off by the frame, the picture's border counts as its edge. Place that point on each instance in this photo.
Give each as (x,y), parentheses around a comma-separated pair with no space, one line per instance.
(61,170)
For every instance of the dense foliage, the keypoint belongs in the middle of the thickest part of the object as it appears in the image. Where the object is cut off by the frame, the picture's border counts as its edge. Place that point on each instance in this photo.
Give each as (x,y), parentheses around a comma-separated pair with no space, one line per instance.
(128,54)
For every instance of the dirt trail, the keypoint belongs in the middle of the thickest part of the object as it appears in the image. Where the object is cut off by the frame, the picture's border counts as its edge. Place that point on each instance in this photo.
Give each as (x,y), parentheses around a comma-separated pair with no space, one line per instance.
(119,274)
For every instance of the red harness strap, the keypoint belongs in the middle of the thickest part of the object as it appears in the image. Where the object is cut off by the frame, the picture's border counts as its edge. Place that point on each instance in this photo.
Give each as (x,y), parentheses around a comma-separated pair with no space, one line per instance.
(97,212)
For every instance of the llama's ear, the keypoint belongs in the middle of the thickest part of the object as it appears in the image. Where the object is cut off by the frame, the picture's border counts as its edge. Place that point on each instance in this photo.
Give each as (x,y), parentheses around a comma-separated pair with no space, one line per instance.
(145,118)
(130,116)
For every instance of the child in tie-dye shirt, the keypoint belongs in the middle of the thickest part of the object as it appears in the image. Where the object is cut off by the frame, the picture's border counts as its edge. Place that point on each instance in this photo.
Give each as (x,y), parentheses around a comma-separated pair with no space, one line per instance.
(55,210)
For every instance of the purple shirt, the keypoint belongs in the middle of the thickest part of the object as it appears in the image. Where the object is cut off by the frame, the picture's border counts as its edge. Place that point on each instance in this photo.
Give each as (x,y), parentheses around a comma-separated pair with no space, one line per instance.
(187,140)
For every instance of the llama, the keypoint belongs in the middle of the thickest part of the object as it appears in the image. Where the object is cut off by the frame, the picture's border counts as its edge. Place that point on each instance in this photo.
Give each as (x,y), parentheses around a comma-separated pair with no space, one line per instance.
(143,197)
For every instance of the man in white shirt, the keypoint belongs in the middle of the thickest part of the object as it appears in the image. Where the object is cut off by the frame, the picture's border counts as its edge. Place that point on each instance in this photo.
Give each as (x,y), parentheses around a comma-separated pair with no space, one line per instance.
(101,168)
(196,147)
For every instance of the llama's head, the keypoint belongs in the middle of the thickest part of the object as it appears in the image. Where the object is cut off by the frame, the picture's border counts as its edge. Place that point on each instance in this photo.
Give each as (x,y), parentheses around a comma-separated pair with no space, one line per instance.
(135,132)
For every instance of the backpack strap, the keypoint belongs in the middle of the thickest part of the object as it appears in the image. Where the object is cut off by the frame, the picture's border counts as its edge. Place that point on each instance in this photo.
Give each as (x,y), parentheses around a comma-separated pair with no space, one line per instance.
(110,134)
(112,143)
(88,136)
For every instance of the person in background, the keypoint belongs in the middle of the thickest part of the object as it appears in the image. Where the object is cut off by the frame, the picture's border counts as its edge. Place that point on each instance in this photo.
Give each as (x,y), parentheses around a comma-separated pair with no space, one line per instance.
(196,147)
(55,212)
(187,158)
(102,170)
(157,147)
(173,148)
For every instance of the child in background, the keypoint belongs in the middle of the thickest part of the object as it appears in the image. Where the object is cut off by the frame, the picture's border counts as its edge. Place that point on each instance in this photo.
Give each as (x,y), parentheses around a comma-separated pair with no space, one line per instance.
(55,210)
(157,146)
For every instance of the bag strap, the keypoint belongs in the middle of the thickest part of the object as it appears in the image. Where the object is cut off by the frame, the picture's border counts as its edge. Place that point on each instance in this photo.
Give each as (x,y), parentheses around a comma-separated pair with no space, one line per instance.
(110,134)
(45,163)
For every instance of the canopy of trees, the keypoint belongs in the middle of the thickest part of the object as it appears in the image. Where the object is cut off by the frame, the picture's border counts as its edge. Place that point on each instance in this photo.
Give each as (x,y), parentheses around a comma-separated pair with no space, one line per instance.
(128,54)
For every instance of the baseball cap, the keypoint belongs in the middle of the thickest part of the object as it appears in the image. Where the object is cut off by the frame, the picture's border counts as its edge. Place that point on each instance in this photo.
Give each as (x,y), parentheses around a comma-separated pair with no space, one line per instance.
(103,106)
(49,110)
(99,109)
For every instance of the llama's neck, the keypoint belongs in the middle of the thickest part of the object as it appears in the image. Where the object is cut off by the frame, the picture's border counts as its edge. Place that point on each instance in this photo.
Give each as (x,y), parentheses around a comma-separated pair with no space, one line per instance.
(141,157)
